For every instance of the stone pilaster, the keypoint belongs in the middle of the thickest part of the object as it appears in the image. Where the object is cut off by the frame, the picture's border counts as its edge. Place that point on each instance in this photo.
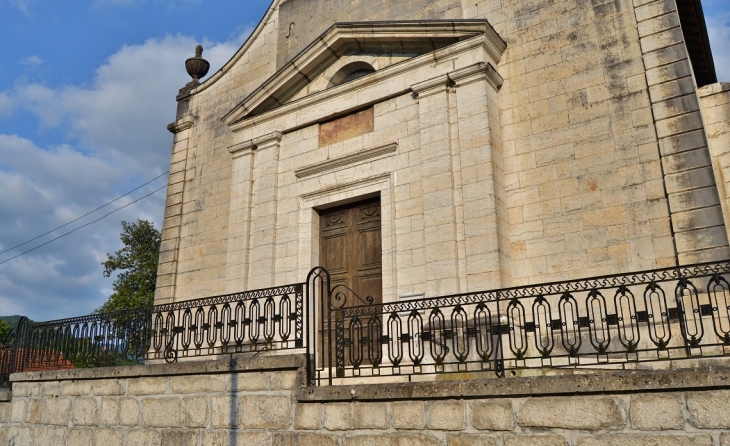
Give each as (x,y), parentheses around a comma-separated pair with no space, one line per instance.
(481,217)
(264,197)
(440,193)
(240,216)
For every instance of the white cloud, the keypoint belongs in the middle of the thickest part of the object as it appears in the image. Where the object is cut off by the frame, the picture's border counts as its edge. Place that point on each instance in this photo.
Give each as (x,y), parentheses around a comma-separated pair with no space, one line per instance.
(117,139)
(23,5)
(718,28)
(31,60)
(124,113)
(7,104)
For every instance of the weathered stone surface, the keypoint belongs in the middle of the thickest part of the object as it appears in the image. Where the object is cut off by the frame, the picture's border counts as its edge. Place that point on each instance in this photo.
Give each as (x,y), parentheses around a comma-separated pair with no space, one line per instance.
(530,440)
(108,437)
(473,440)
(725,439)
(109,413)
(240,382)
(370,415)
(657,412)
(337,416)
(19,435)
(148,386)
(392,440)
(446,415)
(252,438)
(196,411)
(492,415)
(4,413)
(308,416)
(645,440)
(214,437)
(709,410)
(80,437)
(34,411)
(76,388)
(26,389)
(265,411)
(107,387)
(408,414)
(17,410)
(45,435)
(56,411)
(142,437)
(285,380)
(196,384)
(185,437)
(128,412)
(85,412)
(161,412)
(303,439)
(224,410)
(570,413)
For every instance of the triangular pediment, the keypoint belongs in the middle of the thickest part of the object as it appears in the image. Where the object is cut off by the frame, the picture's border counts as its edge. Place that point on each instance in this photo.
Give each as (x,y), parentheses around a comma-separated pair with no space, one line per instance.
(347,40)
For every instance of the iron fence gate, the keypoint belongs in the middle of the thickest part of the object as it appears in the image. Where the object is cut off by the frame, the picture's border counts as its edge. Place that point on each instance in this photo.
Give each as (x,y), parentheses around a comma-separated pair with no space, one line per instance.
(615,321)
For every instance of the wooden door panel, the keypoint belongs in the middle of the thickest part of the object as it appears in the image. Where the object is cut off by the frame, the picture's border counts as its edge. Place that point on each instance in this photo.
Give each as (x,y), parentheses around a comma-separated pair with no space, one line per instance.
(351,250)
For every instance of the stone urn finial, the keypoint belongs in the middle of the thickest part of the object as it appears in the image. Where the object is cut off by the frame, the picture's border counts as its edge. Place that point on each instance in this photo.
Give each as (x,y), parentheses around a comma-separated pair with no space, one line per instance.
(197,67)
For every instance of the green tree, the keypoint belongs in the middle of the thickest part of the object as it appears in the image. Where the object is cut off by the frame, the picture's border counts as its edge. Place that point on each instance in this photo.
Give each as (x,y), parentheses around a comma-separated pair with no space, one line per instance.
(4,331)
(137,263)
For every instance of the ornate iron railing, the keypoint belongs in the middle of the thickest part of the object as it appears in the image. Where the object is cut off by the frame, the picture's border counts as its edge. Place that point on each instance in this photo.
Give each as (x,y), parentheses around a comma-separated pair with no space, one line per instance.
(249,322)
(610,321)
(615,321)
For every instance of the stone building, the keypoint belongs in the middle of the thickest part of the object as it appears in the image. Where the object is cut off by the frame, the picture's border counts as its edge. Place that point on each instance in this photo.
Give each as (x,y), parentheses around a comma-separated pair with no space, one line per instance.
(428,147)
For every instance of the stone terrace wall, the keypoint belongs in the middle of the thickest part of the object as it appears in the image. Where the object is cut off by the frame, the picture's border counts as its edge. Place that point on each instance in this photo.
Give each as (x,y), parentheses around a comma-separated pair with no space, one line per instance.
(261,402)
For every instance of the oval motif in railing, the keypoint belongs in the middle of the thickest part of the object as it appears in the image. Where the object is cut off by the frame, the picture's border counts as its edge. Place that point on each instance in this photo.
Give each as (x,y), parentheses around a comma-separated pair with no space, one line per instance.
(628,325)
(689,312)
(660,330)
(718,289)
(570,324)
(598,328)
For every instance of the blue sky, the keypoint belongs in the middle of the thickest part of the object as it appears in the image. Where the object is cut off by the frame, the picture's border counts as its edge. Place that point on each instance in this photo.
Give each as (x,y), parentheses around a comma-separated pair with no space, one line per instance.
(86,91)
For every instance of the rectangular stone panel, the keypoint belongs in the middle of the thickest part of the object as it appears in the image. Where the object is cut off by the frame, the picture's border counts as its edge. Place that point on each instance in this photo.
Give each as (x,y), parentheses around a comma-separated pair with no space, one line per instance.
(347,127)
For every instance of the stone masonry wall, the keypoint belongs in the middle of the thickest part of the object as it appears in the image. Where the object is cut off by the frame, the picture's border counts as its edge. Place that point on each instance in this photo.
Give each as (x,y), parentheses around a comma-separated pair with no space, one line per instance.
(261,402)
(715,105)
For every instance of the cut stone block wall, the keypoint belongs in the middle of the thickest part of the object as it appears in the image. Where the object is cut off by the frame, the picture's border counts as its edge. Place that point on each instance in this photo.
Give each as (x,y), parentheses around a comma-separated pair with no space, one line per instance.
(263,402)
(715,104)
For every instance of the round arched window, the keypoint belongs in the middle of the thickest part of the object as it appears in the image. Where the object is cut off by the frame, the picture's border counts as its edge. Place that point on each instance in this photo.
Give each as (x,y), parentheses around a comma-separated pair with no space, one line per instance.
(350,72)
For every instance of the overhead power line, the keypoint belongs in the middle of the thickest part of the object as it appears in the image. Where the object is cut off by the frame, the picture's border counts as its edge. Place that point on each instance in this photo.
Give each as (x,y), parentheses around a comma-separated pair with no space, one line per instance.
(83,226)
(86,214)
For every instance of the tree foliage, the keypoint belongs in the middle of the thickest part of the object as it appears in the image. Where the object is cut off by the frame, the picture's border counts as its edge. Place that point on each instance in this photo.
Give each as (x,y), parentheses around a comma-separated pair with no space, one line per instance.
(134,286)
(4,331)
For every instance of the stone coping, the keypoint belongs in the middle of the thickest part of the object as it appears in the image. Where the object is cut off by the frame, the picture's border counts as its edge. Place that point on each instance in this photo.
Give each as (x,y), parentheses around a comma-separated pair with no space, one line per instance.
(5,395)
(268,363)
(602,382)
(588,382)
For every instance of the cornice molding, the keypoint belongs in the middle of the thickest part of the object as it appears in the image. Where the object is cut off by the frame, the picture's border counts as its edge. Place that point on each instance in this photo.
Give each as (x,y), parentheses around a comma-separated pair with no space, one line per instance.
(475,72)
(180,125)
(335,41)
(272,139)
(479,41)
(382,178)
(346,160)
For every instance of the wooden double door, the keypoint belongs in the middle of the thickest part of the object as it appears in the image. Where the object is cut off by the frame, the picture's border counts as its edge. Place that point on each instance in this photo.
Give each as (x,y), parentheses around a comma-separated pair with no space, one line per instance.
(351,248)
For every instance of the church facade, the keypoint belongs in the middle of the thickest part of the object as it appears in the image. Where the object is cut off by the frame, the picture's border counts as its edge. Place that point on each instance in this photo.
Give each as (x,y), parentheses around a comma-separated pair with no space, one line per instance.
(428,147)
